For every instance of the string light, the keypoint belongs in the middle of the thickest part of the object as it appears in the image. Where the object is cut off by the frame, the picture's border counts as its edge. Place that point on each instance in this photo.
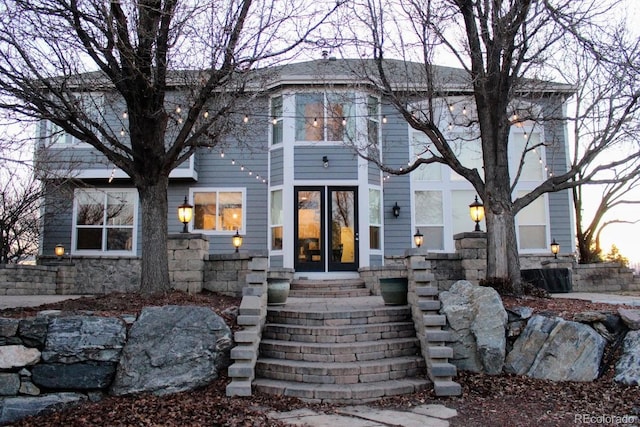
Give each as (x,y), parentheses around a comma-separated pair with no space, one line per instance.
(121,131)
(245,119)
(275,120)
(125,114)
(315,122)
(178,110)
(451,107)
(113,173)
(344,121)
(222,154)
(384,119)
(464,110)
(206,114)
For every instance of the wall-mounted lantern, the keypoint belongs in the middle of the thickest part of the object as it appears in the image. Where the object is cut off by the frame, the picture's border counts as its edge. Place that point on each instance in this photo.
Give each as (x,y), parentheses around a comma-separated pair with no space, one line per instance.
(59,250)
(236,240)
(476,210)
(396,210)
(325,161)
(185,213)
(555,248)
(418,238)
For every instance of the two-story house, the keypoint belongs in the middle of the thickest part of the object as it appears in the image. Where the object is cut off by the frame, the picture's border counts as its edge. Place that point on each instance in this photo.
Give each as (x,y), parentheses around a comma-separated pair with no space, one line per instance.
(293,186)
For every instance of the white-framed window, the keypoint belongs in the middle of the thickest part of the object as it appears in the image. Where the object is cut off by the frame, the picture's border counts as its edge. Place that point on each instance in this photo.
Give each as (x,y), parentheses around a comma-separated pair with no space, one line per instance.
(373,120)
(532,225)
(429,217)
(276,120)
(277,220)
(375,219)
(92,105)
(431,172)
(324,116)
(218,210)
(532,165)
(105,221)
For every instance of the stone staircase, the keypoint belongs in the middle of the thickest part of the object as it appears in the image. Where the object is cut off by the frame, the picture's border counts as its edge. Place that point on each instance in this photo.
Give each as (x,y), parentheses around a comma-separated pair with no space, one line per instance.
(324,347)
(344,288)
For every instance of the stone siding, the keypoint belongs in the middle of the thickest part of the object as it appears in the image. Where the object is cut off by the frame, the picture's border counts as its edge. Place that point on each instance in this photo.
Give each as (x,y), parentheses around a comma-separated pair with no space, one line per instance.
(27,279)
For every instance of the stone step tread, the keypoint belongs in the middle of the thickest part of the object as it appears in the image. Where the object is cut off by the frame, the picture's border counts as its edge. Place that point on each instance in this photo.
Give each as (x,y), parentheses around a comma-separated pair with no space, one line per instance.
(342,333)
(339,348)
(447,388)
(434,319)
(339,368)
(427,291)
(341,393)
(443,369)
(327,284)
(339,312)
(440,352)
(329,293)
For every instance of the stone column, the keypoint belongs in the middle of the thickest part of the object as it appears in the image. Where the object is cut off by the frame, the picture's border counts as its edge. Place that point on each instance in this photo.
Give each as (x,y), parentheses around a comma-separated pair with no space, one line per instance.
(472,249)
(187,254)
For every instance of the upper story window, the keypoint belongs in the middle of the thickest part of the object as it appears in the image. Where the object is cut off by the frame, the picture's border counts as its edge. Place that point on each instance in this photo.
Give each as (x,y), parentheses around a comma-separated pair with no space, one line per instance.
(324,116)
(104,221)
(218,210)
(89,106)
(373,124)
(276,120)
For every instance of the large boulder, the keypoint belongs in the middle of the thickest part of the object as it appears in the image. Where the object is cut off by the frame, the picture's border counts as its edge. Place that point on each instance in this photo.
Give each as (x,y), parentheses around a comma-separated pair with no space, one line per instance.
(628,366)
(15,408)
(630,317)
(478,320)
(172,349)
(74,376)
(74,339)
(556,349)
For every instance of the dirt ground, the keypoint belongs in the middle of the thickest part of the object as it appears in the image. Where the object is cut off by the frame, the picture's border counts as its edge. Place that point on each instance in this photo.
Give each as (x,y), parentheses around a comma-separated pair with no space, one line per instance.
(502,400)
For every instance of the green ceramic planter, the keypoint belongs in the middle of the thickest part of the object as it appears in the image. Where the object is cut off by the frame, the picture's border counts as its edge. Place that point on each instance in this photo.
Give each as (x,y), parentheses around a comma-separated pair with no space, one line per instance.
(394,290)
(277,291)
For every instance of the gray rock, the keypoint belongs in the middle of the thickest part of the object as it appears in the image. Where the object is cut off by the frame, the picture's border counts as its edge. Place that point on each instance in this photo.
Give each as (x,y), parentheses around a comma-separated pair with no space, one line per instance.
(33,331)
(519,313)
(8,327)
(628,366)
(17,356)
(76,376)
(29,388)
(13,409)
(172,349)
(75,339)
(630,317)
(590,317)
(478,320)
(9,384)
(557,350)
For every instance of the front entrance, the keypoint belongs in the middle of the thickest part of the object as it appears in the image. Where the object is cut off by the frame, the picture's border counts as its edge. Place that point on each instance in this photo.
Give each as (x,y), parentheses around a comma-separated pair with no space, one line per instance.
(326,228)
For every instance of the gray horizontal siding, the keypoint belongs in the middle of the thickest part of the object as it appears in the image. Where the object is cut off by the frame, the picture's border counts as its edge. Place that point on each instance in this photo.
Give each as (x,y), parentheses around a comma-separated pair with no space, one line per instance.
(277,167)
(343,163)
(395,152)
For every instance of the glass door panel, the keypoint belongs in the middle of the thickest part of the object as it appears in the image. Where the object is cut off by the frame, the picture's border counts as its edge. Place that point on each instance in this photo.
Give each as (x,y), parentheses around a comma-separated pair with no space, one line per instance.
(343,236)
(309,229)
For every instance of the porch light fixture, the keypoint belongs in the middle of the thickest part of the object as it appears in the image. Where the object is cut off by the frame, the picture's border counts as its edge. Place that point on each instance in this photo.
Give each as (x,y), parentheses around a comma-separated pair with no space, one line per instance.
(325,161)
(396,210)
(555,248)
(418,238)
(59,250)
(236,240)
(185,213)
(476,210)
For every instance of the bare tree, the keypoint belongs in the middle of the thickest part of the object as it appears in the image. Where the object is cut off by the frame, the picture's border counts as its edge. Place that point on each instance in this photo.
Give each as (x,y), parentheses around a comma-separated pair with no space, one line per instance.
(55,55)
(502,47)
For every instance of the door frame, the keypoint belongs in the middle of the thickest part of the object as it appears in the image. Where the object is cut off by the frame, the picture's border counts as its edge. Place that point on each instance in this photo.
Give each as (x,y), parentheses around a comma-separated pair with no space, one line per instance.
(340,266)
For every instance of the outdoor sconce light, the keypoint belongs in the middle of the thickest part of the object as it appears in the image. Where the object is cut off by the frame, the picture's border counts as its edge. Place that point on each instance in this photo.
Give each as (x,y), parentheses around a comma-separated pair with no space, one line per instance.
(325,161)
(185,213)
(236,240)
(418,238)
(59,250)
(555,248)
(396,210)
(476,210)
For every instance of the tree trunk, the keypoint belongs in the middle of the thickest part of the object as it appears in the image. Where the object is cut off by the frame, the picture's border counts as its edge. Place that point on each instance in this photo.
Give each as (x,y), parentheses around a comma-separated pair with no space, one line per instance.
(155,261)
(502,248)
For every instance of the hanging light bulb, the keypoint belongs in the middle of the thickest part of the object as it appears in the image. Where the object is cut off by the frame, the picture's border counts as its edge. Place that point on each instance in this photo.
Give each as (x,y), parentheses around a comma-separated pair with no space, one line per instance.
(344,121)
(121,131)
(241,167)
(222,154)
(450,125)
(245,119)
(206,114)
(233,162)
(274,120)
(125,114)
(178,110)
(315,122)
(451,107)
(464,110)
(384,119)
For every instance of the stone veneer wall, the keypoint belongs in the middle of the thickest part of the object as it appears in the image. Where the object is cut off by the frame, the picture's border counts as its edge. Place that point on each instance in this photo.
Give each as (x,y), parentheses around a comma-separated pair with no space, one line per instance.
(227,273)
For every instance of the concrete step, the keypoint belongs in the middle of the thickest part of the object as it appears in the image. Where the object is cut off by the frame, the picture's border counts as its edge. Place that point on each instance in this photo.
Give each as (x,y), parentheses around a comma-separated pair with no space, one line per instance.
(339,334)
(311,317)
(329,293)
(300,284)
(346,352)
(340,373)
(446,388)
(341,393)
